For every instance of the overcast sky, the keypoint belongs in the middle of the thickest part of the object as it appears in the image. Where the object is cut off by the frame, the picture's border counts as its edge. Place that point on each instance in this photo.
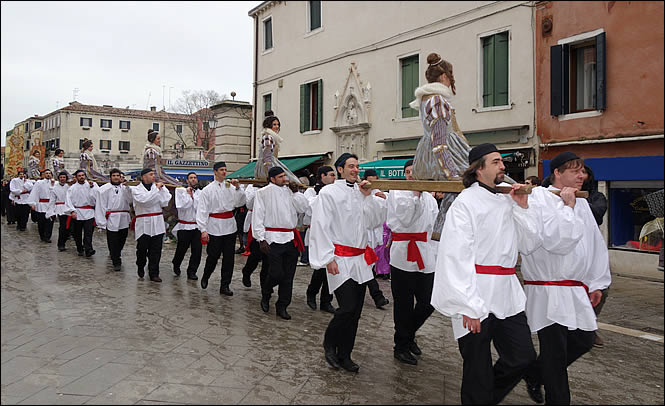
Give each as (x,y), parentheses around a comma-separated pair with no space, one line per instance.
(120,53)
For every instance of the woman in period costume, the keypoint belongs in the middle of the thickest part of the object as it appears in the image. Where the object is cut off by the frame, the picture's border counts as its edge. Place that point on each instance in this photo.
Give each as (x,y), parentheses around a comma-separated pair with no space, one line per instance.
(58,163)
(33,165)
(88,163)
(152,158)
(268,153)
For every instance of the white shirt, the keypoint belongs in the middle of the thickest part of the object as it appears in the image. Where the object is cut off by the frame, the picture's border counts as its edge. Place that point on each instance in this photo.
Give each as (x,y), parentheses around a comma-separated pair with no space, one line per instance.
(113,198)
(80,195)
(481,228)
(218,197)
(342,215)
(410,214)
(186,206)
(375,235)
(250,192)
(40,191)
(276,206)
(149,201)
(17,190)
(570,247)
(57,197)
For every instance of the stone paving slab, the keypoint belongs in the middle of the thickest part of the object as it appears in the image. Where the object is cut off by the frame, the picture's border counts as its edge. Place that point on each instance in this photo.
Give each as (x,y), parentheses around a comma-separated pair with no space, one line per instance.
(75,332)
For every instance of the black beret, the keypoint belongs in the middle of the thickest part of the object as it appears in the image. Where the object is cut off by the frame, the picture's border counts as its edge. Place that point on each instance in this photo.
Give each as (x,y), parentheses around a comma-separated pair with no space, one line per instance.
(342,159)
(274,171)
(146,170)
(323,170)
(220,164)
(480,151)
(371,172)
(408,163)
(561,159)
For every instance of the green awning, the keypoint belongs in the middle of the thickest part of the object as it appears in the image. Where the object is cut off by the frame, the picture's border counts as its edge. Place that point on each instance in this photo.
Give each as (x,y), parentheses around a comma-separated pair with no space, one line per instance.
(386,168)
(293,164)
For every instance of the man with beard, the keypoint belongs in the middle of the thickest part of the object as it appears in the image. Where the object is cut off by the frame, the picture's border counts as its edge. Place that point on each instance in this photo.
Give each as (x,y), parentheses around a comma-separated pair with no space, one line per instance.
(80,202)
(112,213)
(475,282)
(39,200)
(186,231)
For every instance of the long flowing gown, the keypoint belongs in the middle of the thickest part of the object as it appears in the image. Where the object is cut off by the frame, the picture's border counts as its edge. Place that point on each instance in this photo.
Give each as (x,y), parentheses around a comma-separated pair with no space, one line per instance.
(268,157)
(152,158)
(89,165)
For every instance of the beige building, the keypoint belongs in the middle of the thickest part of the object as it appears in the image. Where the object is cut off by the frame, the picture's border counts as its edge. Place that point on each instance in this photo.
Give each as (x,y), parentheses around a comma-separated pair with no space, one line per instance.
(118,134)
(340,75)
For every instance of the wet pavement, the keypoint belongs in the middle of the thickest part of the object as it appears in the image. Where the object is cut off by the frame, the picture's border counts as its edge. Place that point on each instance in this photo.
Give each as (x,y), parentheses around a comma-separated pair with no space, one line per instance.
(74,332)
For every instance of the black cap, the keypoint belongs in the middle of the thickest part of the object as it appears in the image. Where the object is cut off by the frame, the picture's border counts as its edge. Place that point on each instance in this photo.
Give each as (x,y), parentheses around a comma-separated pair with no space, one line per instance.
(408,163)
(561,159)
(274,171)
(480,151)
(217,165)
(342,159)
(323,170)
(371,172)
(146,170)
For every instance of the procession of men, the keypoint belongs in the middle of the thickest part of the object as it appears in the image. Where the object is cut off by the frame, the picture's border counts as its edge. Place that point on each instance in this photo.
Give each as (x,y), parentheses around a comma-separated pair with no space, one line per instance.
(468,274)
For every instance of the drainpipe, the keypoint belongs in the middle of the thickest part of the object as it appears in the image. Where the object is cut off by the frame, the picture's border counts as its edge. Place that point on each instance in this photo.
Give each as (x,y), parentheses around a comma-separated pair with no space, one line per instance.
(256,78)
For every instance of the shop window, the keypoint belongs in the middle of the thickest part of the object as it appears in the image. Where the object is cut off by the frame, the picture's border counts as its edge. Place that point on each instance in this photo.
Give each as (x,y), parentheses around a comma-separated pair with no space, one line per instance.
(636,215)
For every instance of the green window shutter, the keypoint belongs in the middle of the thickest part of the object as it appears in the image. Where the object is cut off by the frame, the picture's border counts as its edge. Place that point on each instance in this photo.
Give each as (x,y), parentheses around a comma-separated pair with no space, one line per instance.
(319,106)
(304,108)
(488,71)
(410,73)
(267,33)
(267,102)
(501,69)
(314,15)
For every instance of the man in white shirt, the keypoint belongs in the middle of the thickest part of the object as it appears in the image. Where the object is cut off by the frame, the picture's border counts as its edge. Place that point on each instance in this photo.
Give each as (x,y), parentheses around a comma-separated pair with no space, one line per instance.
(57,208)
(80,203)
(214,217)
(112,214)
(252,249)
(341,216)
(563,279)
(149,197)
(274,221)
(411,217)
(186,231)
(39,200)
(475,282)
(19,189)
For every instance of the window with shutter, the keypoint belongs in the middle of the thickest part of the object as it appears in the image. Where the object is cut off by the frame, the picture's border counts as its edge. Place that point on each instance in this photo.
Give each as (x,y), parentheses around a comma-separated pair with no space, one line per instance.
(314,15)
(267,34)
(311,106)
(410,73)
(267,102)
(495,70)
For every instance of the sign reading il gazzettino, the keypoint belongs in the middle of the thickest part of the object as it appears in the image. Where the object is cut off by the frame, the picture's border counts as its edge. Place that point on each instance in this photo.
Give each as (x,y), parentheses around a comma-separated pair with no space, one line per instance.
(183,162)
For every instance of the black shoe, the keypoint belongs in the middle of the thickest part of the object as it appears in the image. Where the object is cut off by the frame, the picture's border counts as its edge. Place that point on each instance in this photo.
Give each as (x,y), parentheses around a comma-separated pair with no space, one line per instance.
(349,365)
(62,249)
(415,350)
(265,304)
(311,302)
(117,267)
(246,280)
(141,272)
(405,357)
(192,277)
(331,356)
(240,250)
(382,301)
(204,282)
(155,279)
(225,290)
(176,271)
(89,254)
(283,314)
(327,308)
(80,253)
(48,241)
(534,389)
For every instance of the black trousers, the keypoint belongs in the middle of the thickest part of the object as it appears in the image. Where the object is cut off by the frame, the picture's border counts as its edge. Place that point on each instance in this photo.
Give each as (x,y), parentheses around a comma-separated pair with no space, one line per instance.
(559,347)
(34,216)
(86,227)
(319,282)
(63,231)
(186,239)
(283,259)
(116,242)
(483,383)
(409,318)
(374,290)
(149,250)
(341,331)
(11,213)
(256,256)
(22,212)
(45,226)
(223,245)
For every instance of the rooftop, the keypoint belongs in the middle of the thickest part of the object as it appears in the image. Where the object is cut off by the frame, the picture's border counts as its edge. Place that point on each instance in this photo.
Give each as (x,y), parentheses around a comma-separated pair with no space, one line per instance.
(125,112)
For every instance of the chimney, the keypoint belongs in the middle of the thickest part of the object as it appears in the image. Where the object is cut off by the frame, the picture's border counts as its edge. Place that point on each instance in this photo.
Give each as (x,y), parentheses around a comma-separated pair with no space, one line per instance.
(153,108)
(107,105)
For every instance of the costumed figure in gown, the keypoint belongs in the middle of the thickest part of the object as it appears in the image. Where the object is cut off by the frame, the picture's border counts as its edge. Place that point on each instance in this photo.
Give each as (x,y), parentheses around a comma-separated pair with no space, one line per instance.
(152,158)
(269,149)
(88,164)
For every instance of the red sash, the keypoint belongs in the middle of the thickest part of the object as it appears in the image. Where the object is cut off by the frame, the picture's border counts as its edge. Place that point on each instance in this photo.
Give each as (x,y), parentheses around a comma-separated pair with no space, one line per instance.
(344,251)
(133,223)
(186,222)
(59,203)
(85,207)
(223,215)
(558,283)
(43,200)
(69,218)
(22,193)
(108,213)
(250,238)
(494,270)
(412,252)
(297,240)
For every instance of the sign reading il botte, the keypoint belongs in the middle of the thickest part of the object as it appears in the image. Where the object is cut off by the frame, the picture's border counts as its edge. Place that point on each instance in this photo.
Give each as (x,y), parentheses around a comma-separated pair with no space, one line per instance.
(183,162)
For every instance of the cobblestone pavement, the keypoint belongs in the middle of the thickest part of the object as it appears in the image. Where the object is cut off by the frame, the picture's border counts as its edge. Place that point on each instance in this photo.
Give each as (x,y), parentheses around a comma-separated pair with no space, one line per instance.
(74,332)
